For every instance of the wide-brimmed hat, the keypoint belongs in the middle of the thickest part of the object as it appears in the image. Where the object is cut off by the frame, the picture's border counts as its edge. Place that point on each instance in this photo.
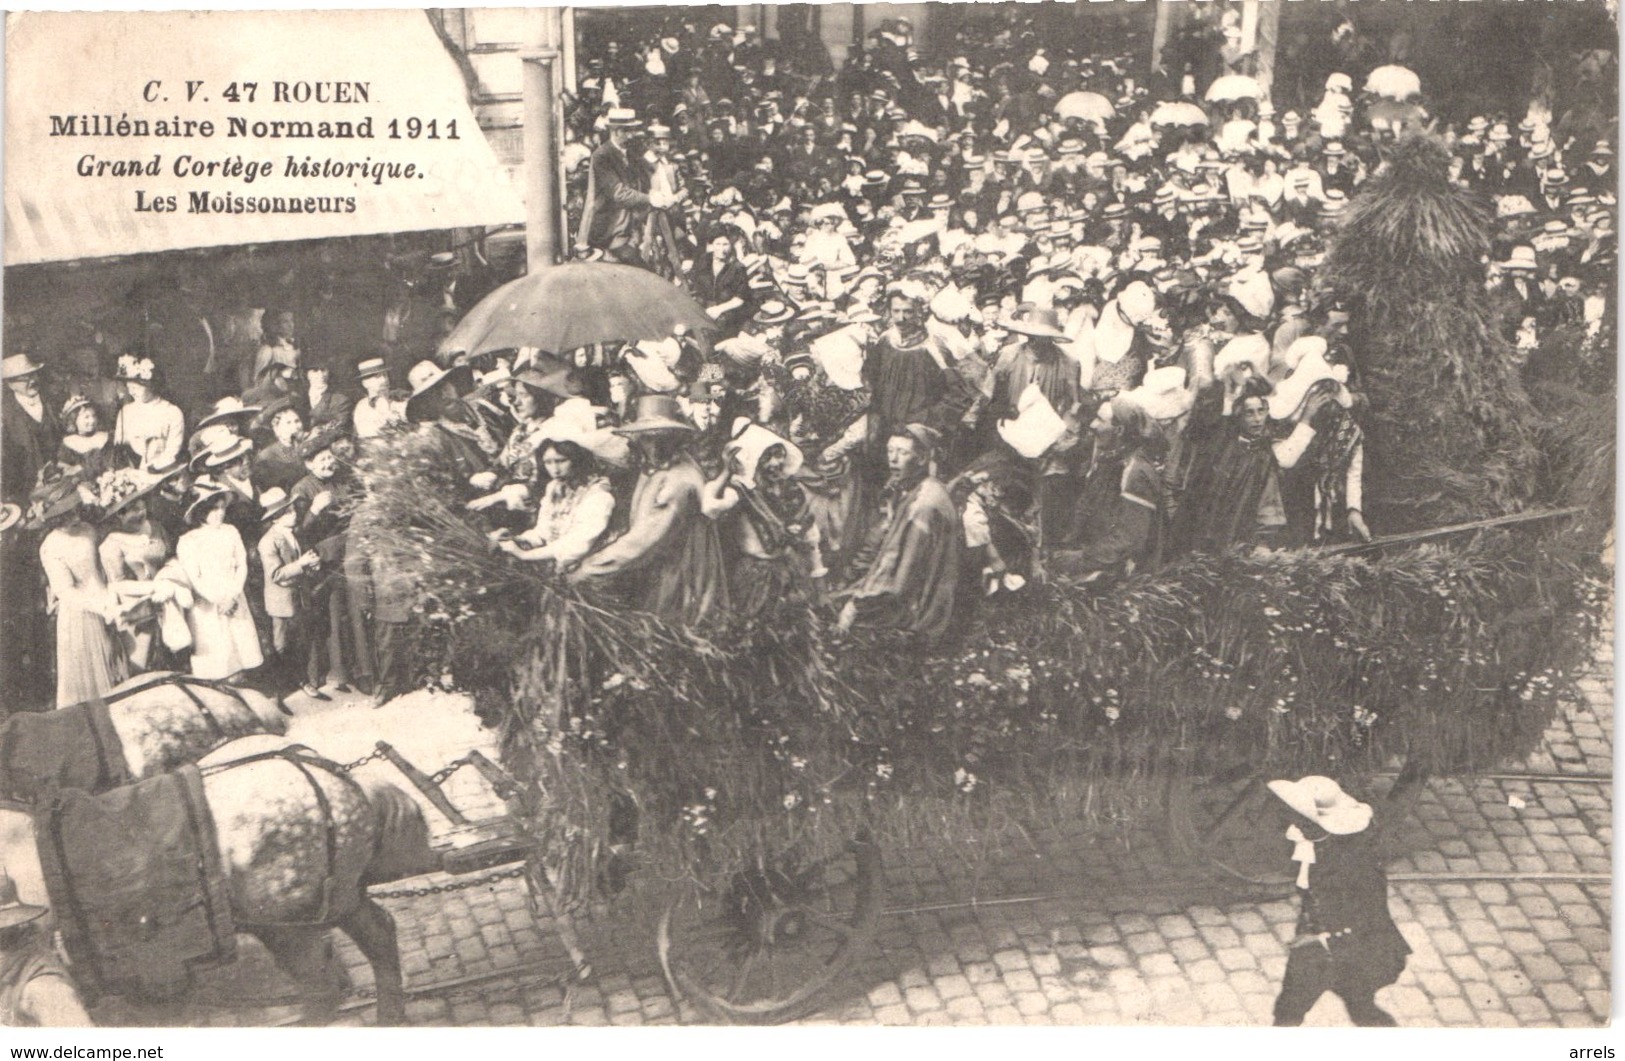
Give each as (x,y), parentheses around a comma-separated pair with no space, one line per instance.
(656,412)
(207,493)
(1323,801)
(273,503)
(320,439)
(554,380)
(1038,321)
(751,440)
(423,378)
(55,497)
(18,366)
(118,490)
(220,451)
(229,408)
(13,911)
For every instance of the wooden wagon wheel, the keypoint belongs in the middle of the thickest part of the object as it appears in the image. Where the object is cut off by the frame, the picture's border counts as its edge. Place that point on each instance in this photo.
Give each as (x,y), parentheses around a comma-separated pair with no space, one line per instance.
(1228,824)
(765,949)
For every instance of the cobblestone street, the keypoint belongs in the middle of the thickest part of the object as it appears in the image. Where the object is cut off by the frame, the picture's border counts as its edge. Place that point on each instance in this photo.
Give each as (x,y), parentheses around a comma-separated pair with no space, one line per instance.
(1503,891)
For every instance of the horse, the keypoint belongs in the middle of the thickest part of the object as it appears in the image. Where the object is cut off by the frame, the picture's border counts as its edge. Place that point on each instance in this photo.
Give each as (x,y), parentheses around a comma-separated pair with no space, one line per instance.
(300,841)
(146,726)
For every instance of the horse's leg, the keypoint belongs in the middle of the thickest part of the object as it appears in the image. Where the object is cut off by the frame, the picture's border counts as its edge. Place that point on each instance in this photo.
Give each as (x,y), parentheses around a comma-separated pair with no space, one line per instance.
(373,930)
(304,956)
(546,901)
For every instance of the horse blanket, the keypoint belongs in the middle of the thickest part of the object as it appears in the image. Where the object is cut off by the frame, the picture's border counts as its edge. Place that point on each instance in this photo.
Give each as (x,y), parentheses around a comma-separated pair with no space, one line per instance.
(71,747)
(136,881)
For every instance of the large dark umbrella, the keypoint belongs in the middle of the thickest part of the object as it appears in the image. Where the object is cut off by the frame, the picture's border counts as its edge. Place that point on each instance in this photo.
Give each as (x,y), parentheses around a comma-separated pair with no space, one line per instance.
(564,307)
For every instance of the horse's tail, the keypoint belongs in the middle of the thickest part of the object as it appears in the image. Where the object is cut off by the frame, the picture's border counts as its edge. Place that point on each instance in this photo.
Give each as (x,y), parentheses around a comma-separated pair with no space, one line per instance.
(402,848)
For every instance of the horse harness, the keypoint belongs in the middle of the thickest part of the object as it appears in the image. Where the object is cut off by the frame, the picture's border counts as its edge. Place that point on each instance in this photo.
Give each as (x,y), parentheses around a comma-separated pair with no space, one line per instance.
(306,762)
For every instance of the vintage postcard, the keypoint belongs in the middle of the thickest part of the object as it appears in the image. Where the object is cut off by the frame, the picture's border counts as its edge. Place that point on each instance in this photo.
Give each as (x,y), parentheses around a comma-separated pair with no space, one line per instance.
(1091,515)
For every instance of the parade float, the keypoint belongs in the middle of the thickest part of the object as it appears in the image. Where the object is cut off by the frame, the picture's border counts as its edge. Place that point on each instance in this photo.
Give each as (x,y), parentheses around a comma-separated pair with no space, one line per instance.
(767,766)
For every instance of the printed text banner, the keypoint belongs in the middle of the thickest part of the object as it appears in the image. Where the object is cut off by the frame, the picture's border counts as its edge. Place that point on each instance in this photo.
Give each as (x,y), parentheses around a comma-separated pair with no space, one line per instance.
(312,120)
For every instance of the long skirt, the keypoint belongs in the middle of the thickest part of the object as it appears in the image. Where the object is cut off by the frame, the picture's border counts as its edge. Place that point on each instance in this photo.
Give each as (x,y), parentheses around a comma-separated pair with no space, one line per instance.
(89,658)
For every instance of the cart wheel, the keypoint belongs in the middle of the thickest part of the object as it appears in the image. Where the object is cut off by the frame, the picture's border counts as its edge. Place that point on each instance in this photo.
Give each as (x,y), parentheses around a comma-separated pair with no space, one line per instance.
(765,949)
(1231,828)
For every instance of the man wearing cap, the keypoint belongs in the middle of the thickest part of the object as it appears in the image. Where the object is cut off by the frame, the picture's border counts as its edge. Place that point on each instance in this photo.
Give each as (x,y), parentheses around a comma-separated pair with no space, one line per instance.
(617,196)
(669,560)
(909,584)
(1346,940)
(31,432)
(36,990)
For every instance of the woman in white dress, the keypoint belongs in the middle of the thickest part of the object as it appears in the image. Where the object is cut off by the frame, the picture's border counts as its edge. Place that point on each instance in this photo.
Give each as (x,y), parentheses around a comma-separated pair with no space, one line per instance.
(89,658)
(574,512)
(150,428)
(225,643)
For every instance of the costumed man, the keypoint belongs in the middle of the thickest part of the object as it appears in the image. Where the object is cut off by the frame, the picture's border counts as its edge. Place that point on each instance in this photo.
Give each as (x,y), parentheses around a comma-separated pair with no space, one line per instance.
(1346,942)
(910,583)
(35,988)
(617,198)
(669,560)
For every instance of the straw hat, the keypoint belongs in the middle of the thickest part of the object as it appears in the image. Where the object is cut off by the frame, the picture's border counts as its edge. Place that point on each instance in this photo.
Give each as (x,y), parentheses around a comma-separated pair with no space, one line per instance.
(1323,801)
(656,412)
(622,118)
(10,515)
(371,367)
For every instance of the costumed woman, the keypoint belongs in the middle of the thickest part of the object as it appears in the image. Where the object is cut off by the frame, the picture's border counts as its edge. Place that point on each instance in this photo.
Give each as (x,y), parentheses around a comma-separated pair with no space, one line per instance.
(574,511)
(771,532)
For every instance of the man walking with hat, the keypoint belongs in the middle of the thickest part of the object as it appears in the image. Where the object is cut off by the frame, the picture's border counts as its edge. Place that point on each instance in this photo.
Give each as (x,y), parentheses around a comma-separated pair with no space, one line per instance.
(669,561)
(1347,942)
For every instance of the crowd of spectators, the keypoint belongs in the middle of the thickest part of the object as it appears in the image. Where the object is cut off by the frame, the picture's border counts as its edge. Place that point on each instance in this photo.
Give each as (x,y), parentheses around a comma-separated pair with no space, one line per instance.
(1028,308)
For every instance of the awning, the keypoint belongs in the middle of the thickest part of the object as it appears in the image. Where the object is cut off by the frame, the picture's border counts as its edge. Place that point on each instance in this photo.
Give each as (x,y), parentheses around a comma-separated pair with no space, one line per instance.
(73,80)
